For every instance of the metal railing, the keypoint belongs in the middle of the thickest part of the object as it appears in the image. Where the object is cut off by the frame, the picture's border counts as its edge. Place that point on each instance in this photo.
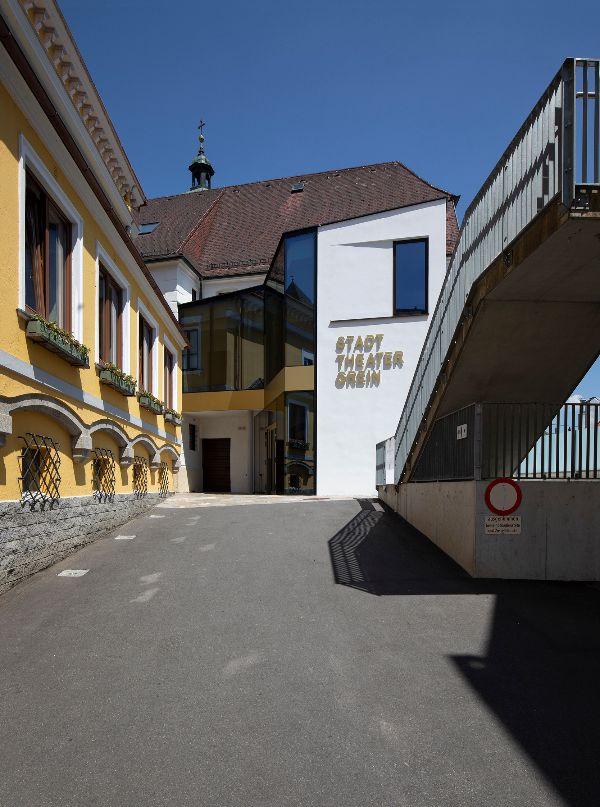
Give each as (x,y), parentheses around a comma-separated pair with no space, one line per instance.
(555,151)
(519,440)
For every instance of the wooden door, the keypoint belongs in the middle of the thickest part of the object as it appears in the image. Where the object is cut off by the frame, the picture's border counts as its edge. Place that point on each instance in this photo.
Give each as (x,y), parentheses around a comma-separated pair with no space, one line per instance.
(216,469)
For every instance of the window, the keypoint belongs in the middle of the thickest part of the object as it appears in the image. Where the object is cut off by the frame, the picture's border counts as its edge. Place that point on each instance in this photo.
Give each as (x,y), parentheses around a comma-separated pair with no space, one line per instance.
(168,379)
(140,476)
(296,422)
(39,463)
(145,360)
(103,474)
(191,355)
(192,437)
(110,308)
(411,276)
(308,358)
(144,229)
(194,295)
(47,257)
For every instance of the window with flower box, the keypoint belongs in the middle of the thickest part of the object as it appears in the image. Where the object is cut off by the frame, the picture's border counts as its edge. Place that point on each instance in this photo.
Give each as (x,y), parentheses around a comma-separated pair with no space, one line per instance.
(110,311)
(48,246)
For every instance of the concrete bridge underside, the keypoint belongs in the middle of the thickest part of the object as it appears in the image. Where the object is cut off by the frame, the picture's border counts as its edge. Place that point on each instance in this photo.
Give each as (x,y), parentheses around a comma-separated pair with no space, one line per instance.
(529,332)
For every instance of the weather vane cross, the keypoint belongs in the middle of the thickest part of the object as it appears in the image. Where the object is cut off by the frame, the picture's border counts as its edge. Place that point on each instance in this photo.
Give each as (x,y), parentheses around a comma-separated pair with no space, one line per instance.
(201,126)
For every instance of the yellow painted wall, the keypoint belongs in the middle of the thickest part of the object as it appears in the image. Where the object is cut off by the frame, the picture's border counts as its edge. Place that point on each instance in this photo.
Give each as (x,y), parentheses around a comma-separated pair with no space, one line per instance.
(76,479)
(12,338)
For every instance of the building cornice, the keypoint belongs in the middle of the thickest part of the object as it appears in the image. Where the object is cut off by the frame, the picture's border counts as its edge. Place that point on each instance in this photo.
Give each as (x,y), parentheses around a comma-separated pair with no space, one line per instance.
(16,73)
(44,35)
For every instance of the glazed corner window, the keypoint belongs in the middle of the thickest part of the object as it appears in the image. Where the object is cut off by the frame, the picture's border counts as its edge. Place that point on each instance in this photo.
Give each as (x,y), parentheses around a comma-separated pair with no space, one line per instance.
(411,276)
(47,257)
(110,303)
(145,361)
(168,379)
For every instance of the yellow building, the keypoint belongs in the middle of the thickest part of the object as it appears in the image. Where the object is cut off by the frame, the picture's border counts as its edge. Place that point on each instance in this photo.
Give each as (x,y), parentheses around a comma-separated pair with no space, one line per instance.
(90,352)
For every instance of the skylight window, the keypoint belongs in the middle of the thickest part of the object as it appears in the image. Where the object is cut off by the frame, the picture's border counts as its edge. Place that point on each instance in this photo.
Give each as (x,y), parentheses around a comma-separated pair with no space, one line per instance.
(144,229)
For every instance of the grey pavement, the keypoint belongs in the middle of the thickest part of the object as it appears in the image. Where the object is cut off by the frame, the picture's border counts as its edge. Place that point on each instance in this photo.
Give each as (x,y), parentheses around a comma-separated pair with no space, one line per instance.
(314,653)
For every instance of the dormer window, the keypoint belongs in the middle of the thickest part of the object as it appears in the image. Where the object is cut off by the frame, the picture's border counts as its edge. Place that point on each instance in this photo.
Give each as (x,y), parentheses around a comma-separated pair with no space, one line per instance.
(145,229)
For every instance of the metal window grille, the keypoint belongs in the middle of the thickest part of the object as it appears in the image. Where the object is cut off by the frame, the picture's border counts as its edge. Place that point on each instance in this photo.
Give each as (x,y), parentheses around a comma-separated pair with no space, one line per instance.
(103,475)
(39,463)
(163,479)
(140,476)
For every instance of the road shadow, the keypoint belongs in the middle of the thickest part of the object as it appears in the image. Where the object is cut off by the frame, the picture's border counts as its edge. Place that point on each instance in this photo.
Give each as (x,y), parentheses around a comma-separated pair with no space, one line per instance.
(540,673)
(381,553)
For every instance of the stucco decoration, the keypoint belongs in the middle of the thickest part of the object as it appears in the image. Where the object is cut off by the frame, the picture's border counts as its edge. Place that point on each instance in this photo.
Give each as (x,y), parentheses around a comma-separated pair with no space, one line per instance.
(120,437)
(81,435)
(81,441)
(65,60)
(146,441)
(175,456)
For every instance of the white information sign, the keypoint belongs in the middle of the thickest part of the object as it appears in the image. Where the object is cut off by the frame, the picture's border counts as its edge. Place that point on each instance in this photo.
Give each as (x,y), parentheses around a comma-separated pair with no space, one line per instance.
(507,525)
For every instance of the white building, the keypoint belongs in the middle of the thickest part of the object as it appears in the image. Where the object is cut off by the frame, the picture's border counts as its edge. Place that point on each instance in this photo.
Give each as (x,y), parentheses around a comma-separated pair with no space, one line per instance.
(306,301)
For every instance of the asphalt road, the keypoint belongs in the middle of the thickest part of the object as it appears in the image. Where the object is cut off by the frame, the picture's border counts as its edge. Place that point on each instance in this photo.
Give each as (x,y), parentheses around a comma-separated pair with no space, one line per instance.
(315,653)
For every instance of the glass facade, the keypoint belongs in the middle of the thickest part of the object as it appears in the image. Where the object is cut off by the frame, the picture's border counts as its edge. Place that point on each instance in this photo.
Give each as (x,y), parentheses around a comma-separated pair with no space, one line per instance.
(290,304)
(299,456)
(241,341)
(226,336)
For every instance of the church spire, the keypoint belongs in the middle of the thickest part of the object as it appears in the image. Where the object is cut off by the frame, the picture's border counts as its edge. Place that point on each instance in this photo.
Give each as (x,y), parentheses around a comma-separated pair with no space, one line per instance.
(201,168)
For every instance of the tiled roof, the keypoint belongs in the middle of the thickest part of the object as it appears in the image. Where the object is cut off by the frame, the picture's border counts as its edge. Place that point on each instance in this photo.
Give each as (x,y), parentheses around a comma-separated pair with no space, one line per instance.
(235,230)
(177,216)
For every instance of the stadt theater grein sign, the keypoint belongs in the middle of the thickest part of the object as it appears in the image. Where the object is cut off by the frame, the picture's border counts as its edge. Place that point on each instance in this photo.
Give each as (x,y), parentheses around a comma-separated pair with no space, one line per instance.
(361,360)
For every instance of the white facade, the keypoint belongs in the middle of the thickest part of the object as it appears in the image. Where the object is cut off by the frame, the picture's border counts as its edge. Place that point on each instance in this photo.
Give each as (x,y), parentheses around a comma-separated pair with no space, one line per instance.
(176,281)
(355,299)
(224,285)
(237,426)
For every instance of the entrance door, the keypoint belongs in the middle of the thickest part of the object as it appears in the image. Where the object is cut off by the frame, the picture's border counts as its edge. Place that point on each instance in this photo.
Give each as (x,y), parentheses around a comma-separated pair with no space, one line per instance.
(271,445)
(216,470)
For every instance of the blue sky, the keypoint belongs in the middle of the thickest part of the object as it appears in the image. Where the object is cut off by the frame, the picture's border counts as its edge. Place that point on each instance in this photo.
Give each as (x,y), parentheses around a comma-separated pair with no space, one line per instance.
(293,87)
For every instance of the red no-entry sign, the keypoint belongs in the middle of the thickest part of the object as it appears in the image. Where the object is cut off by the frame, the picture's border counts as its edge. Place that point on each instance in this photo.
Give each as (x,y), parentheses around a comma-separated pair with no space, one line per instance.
(503,496)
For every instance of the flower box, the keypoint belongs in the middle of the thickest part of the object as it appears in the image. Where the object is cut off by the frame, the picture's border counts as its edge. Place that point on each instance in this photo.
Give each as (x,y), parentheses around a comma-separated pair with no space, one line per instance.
(53,340)
(173,417)
(117,381)
(150,403)
(298,445)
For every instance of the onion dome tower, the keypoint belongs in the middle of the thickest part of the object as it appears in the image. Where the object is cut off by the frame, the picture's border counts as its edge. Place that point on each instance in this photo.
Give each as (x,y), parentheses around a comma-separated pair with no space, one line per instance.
(201,168)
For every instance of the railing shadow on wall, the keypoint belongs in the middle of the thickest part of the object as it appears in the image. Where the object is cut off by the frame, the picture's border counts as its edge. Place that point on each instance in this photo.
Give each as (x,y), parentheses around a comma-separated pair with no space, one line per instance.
(538,673)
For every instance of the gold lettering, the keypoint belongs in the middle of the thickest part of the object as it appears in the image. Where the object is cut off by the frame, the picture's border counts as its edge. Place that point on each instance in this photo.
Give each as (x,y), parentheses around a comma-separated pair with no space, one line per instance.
(340,380)
(349,342)
(369,342)
(358,345)
(378,356)
(375,378)
(379,340)
(340,360)
(398,358)
(370,362)
(387,361)
(349,363)
(350,379)
(360,361)
(339,345)
(360,379)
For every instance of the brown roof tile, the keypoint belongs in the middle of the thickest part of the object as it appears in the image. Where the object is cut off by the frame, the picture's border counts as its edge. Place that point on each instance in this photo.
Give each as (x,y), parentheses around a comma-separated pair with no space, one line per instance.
(235,230)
